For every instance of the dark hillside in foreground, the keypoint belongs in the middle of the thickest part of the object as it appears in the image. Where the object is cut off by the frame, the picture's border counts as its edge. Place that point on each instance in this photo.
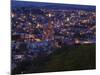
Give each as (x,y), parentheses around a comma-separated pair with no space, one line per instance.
(73,58)
(78,57)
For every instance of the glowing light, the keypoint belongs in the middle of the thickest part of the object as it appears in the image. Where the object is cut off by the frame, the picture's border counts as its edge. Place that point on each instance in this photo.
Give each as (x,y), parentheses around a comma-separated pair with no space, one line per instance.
(12,15)
(29,23)
(19,56)
(77,41)
(68,19)
(38,40)
(49,15)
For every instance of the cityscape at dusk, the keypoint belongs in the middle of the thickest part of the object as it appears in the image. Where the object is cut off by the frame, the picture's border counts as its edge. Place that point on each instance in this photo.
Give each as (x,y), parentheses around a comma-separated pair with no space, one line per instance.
(40,34)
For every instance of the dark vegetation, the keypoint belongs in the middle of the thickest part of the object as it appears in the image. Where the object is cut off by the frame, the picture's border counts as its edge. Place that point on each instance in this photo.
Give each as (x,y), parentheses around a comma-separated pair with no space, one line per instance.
(76,57)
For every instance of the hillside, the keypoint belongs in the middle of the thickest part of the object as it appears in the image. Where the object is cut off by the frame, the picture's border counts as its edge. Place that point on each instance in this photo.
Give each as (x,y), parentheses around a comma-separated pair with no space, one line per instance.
(80,57)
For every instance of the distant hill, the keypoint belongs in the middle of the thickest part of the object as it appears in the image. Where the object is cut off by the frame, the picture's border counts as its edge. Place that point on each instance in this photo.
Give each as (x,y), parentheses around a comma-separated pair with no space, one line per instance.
(51,5)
